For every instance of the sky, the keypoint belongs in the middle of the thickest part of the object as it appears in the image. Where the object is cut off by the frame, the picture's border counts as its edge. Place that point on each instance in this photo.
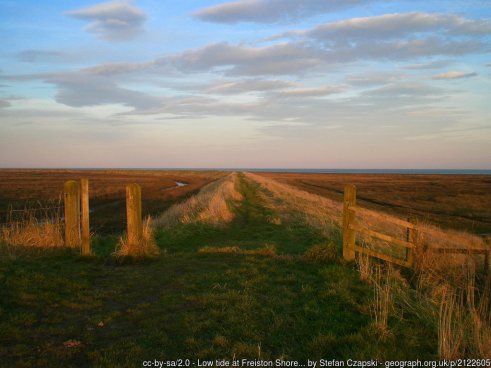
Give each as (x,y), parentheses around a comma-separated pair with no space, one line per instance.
(246,84)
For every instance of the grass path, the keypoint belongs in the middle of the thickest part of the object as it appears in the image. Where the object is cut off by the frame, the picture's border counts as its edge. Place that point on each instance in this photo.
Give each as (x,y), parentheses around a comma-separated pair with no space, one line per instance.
(187,304)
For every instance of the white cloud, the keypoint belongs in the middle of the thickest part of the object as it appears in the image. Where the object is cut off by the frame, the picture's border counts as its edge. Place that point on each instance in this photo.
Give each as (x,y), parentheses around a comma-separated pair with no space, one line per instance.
(454,75)
(247,85)
(279,59)
(115,21)
(392,26)
(310,92)
(270,11)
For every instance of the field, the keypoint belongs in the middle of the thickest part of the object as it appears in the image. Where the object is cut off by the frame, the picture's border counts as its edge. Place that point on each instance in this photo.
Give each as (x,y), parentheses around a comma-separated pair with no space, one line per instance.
(44,188)
(460,202)
(248,268)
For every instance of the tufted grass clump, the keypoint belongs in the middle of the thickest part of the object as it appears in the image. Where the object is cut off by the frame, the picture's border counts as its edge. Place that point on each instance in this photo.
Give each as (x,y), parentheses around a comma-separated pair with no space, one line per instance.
(147,248)
(323,253)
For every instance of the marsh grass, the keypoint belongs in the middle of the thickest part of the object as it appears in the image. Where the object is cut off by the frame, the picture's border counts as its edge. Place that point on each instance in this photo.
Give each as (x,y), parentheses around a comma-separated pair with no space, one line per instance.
(382,303)
(32,228)
(145,249)
(210,205)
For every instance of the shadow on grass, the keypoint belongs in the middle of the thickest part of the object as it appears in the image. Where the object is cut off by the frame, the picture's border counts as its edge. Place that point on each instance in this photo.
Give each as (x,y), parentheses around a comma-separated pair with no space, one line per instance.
(186,304)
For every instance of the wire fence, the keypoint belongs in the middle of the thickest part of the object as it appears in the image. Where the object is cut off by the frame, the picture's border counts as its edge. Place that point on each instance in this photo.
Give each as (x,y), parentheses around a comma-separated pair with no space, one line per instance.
(19,216)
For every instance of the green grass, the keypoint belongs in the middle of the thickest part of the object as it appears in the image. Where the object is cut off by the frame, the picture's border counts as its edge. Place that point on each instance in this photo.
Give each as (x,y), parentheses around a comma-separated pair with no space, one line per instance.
(186,304)
(251,229)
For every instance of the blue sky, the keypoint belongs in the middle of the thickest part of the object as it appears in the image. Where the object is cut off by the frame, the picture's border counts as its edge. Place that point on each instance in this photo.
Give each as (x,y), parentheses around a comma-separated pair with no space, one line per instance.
(247,83)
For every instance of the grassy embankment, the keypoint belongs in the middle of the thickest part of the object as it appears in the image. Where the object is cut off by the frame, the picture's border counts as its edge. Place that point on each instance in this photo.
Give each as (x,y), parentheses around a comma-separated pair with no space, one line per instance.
(264,295)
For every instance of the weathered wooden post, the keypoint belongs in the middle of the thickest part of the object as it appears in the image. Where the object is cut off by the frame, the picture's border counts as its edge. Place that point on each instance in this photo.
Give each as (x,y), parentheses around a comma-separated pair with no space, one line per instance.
(85,217)
(487,258)
(349,219)
(134,214)
(412,237)
(72,213)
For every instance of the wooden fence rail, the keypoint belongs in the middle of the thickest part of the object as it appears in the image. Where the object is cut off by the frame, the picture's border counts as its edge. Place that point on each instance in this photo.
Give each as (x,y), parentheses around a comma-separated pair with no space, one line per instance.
(351,228)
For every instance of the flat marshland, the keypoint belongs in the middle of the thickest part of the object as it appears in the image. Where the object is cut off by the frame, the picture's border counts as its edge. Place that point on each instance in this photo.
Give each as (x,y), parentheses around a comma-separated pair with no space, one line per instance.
(37,189)
(460,202)
(249,266)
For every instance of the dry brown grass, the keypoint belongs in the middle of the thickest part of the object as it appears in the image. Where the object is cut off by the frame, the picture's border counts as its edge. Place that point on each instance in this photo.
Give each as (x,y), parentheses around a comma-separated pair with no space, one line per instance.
(382,303)
(29,231)
(450,332)
(464,321)
(210,205)
(364,265)
(146,248)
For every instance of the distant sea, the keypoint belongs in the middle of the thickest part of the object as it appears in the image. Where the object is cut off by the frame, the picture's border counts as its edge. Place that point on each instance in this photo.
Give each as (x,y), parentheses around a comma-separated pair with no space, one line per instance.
(282,170)
(345,171)
(380,171)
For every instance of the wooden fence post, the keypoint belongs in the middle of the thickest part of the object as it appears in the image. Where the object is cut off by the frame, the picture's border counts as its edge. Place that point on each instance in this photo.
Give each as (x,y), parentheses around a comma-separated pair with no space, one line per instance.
(134,214)
(487,260)
(85,217)
(72,213)
(349,219)
(412,237)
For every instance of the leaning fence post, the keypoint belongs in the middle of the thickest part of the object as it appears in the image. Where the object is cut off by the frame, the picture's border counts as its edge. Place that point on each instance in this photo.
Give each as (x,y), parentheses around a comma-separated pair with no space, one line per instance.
(134,214)
(72,213)
(85,217)
(412,237)
(349,219)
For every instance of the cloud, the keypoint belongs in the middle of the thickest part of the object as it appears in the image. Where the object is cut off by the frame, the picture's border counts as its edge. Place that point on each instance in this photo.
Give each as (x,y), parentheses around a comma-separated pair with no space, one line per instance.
(373,79)
(116,68)
(431,65)
(394,26)
(404,89)
(31,56)
(79,89)
(4,104)
(394,37)
(246,86)
(270,11)
(309,92)
(402,36)
(114,21)
(279,59)
(454,75)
